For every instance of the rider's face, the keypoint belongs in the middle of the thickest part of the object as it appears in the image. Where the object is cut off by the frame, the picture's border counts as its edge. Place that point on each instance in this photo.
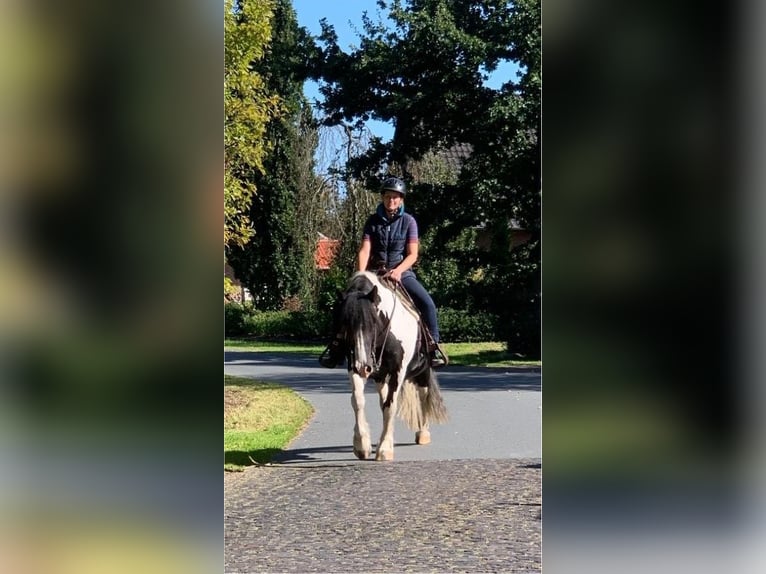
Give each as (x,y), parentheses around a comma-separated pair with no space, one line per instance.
(392,200)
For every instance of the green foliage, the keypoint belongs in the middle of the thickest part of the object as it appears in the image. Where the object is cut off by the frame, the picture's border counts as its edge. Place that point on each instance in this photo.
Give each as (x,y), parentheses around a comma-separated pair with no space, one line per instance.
(248,108)
(245,321)
(522,314)
(302,325)
(425,74)
(511,290)
(230,290)
(333,282)
(456,325)
(234,319)
(523,336)
(278,260)
(460,326)
(450,269)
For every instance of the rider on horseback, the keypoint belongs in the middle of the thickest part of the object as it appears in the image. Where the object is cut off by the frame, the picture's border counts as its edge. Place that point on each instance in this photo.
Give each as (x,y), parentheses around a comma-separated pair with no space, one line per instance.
(390,244)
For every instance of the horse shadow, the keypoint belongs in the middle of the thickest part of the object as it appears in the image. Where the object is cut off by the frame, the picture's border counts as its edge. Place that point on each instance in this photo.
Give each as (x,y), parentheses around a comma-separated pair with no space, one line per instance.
(325,454)
(250,457)
(315,454)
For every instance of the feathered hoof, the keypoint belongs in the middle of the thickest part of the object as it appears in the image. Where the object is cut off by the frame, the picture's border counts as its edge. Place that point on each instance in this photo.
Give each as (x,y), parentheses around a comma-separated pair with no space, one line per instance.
(422,437)
(384,455)
(362,454)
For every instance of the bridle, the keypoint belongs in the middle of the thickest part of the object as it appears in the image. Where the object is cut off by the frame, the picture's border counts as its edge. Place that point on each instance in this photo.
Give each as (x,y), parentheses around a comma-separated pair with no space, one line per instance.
(377,360)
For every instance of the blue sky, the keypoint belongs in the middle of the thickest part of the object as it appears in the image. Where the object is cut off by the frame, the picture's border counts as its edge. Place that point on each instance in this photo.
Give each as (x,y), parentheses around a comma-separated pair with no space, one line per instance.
(342,14)
(345,15)
(337,12)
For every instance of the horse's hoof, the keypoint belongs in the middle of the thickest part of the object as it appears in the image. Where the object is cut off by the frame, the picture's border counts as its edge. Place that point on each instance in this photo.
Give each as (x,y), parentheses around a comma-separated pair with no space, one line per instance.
(422,437)
(362,454)
(385,455)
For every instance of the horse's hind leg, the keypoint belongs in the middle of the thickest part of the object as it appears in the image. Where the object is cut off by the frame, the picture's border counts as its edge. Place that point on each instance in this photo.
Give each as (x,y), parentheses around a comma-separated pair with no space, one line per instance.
(423,435)
(431,405)
(362,445)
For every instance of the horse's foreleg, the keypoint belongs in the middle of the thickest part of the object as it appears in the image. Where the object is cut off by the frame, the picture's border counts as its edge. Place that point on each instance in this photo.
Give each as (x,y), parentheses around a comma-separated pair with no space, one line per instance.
(388,396)
(362,446)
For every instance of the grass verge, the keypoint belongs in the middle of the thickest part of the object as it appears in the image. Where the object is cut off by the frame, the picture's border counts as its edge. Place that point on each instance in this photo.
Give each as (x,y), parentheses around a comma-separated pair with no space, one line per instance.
(275,346)
(259,420)
(486,354)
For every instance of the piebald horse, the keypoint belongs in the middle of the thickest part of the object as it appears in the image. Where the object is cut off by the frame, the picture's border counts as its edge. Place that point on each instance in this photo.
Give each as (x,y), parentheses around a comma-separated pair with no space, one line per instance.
(381,330)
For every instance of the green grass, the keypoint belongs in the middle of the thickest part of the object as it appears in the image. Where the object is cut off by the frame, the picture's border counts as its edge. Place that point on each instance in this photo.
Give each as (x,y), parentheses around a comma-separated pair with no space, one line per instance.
(277,347)
(260,419)
(487,354)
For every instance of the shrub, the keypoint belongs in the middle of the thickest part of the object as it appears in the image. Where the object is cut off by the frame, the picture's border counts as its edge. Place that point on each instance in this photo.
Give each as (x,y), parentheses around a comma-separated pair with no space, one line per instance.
(333,281)
(460,326)
(314,324)
(268,324)
(234,318)
(523,334)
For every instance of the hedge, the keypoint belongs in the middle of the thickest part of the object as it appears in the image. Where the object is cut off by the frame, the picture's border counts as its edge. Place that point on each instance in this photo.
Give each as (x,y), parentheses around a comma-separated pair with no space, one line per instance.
(243,320)
(459,326)
(455,325)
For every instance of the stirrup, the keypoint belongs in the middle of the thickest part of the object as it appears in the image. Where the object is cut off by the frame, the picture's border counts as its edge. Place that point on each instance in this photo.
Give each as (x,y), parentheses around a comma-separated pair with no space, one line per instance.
(438,357)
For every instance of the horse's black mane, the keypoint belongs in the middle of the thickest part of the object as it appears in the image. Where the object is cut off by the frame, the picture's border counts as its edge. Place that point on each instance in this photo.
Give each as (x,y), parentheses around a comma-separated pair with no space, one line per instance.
(359,306)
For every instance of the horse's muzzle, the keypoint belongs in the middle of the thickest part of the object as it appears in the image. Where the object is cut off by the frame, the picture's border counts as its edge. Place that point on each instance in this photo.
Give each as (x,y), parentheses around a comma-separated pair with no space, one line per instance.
(363,370)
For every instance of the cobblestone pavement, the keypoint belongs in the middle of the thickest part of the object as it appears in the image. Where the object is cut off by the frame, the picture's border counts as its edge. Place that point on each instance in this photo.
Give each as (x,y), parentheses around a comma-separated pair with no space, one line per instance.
(421,516)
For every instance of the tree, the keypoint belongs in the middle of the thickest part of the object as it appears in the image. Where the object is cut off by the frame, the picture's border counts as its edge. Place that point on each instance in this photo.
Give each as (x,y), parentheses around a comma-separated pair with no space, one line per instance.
(358,201)
(277,262)
(427,75)
(504,172)
(248,108)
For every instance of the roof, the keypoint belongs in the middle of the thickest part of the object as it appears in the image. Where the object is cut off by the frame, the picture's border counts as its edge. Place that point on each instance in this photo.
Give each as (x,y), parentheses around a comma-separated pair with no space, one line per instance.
(456,155)
(325,252)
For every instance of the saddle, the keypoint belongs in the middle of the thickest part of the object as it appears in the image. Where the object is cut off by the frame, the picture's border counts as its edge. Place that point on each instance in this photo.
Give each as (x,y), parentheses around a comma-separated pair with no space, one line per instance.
(427,341)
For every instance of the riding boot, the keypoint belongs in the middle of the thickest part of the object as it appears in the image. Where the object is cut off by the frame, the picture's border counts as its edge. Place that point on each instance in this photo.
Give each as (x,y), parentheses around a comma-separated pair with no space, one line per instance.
(437,357)
(333,355)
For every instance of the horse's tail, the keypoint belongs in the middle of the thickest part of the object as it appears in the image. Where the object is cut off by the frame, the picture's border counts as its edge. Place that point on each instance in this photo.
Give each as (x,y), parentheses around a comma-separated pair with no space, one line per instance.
(421,401)
(434,407)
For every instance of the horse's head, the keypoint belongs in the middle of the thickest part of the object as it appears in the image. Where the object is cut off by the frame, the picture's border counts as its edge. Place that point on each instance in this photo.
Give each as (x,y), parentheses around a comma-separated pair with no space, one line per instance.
(361,324)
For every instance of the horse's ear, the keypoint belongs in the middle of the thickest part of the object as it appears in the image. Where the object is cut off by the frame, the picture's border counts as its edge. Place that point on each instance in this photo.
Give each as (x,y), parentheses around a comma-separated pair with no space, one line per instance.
(372,295)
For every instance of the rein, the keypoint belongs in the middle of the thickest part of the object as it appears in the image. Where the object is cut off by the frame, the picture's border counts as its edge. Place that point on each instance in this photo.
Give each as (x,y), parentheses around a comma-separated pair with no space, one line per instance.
(388,330)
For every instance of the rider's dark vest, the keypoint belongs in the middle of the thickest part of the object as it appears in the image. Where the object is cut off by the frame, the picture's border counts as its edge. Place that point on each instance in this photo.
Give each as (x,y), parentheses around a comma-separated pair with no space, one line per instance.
(388,238)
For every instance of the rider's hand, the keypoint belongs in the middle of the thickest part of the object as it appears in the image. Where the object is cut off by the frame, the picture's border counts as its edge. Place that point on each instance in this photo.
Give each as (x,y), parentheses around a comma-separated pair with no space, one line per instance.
(395,274)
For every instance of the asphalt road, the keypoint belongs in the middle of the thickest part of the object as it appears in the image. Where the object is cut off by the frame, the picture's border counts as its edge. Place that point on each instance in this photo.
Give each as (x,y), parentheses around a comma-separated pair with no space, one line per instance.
(494,413)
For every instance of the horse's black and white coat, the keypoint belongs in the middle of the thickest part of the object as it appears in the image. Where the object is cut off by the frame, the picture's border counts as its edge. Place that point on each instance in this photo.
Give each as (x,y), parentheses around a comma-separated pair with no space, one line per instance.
(382,333)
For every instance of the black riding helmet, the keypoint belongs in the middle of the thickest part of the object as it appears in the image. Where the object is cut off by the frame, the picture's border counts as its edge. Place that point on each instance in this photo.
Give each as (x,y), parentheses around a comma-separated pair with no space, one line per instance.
(393,184)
